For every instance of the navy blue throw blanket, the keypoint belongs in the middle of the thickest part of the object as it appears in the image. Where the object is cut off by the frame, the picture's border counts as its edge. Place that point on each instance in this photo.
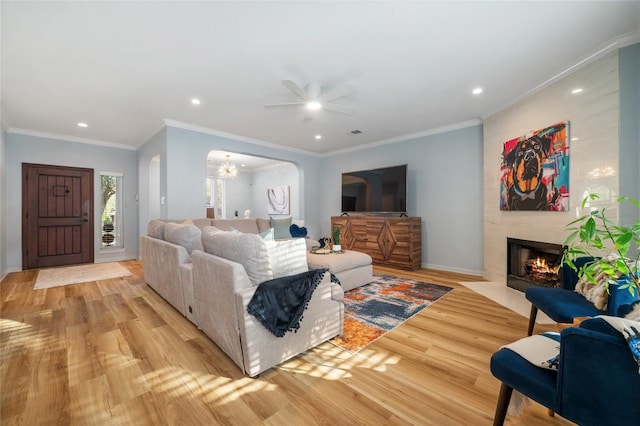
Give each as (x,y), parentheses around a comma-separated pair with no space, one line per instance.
(280,303)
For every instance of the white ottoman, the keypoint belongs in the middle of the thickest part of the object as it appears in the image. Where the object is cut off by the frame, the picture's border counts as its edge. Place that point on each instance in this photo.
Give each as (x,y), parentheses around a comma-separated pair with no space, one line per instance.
(352,268)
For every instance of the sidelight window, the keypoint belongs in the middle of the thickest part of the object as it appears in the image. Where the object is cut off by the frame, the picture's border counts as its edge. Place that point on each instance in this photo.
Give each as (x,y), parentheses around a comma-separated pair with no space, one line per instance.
(112,210)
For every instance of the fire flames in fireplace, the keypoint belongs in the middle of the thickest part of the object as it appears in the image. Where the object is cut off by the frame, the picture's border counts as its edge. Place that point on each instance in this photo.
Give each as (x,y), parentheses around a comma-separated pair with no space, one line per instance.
(542,271)
(533,264)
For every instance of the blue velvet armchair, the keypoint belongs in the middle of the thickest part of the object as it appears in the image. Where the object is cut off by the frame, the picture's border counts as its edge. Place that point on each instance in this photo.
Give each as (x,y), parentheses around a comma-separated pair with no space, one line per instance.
(563,304)
(597,382)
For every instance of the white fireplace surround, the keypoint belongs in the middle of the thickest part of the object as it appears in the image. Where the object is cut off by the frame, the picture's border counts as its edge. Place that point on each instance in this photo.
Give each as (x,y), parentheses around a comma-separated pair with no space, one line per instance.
(593,132)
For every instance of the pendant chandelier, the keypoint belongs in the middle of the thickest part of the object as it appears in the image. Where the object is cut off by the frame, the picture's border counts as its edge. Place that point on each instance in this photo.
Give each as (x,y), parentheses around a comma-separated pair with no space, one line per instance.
(227,170)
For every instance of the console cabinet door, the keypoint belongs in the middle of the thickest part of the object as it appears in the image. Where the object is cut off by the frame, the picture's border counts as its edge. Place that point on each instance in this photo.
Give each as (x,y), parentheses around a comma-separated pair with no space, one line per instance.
(391,241)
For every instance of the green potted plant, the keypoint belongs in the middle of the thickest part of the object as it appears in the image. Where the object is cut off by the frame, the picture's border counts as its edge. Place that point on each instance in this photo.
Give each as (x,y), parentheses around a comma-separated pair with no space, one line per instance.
(596,235)
(336,239)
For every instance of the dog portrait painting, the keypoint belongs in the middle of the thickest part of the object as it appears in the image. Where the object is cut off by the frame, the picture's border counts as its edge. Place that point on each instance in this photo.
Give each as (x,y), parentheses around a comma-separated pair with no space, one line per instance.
(534,174)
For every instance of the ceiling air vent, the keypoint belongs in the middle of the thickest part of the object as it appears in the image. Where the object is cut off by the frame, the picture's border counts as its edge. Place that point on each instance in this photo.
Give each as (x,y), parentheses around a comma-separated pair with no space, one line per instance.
(355,132)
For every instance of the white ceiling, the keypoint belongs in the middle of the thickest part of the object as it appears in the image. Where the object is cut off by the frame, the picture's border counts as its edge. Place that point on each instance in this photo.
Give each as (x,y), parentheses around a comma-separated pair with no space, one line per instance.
(124,67)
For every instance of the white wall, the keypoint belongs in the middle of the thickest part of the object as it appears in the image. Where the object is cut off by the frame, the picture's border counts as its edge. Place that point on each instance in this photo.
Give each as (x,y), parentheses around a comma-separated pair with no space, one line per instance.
(38,150)
(444,187)
(593,116)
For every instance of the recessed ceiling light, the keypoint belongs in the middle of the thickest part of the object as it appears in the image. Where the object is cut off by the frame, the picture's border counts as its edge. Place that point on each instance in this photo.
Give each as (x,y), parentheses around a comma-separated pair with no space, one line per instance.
(318,137)
(195,101)
(83,124)
(578,90)
(575,139)
(477,90)
(314,106)
(243,165)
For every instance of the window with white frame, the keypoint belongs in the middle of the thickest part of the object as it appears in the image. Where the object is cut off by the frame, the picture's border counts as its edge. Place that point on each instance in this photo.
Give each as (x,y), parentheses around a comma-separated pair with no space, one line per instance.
(215,195)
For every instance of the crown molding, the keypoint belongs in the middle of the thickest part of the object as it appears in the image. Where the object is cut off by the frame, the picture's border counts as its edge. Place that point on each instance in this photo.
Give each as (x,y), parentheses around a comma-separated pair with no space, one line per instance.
(404,138)
(186,126)
(161,125)
(68,138)
(614,46)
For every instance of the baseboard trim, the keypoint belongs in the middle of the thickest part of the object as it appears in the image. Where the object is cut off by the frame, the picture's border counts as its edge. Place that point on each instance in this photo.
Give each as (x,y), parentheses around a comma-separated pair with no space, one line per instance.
(477,273)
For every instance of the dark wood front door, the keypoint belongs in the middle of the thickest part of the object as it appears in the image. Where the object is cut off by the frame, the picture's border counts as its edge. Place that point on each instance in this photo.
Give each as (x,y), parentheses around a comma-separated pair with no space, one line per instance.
(57,216)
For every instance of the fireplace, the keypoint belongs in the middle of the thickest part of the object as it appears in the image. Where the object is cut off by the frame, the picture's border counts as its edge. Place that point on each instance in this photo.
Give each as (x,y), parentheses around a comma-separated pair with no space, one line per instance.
(533,264)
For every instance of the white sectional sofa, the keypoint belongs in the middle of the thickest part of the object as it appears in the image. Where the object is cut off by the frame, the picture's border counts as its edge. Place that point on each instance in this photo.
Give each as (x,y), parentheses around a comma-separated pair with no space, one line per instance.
(210,276)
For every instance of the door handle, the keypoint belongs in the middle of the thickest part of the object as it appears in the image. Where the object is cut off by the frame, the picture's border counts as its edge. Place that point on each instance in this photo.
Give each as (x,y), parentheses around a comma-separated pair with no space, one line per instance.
(84,220)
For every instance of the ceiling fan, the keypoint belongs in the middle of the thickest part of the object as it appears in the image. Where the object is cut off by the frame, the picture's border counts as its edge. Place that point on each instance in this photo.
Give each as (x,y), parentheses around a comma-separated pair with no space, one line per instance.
(313,98)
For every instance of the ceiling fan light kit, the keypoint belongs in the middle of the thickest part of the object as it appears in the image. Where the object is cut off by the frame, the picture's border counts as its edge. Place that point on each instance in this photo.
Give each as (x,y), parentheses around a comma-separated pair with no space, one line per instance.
(314,99)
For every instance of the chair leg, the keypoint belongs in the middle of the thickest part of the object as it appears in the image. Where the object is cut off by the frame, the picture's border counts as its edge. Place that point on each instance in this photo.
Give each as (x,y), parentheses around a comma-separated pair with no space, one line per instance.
(503,404)
(532,319)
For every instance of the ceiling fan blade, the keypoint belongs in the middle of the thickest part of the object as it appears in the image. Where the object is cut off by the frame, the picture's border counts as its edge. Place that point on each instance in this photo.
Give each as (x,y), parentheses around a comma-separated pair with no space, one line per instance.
(338,92)
(342,109)
(284,105)
(291,85)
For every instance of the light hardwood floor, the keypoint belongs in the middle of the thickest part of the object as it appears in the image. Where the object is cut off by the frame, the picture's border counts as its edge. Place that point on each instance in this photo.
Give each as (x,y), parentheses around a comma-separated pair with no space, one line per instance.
(113,352)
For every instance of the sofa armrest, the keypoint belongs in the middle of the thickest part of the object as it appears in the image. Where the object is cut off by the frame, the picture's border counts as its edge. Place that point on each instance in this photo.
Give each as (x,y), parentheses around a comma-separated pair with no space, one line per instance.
(215,282)
(322,320)
(161,262)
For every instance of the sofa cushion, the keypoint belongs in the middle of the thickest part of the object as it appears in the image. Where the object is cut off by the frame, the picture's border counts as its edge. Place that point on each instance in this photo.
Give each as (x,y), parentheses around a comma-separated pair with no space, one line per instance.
(202,222)
(155,229)
(187,236)
(281,227)
(263,224)
(249,250)
(287,257)
(248,226)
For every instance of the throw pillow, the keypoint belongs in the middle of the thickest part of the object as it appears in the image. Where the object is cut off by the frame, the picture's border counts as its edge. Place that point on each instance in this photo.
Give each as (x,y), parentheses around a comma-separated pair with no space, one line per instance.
(266,235)
(297,231)
(287,257)
(187,236)
(634,311)
(155,229)
(595,293)
(281,227)
(249,250)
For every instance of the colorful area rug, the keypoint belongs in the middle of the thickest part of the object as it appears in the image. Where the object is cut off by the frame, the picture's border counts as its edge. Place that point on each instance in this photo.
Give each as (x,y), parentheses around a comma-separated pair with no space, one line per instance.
(56,277)
(377,308)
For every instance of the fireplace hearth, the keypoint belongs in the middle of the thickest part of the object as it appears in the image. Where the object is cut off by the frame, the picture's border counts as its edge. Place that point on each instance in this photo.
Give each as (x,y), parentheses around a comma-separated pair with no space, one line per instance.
(533,264)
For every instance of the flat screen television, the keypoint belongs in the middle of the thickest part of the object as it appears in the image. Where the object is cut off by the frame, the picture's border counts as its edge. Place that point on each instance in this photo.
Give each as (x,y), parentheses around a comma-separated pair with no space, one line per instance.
(382,190)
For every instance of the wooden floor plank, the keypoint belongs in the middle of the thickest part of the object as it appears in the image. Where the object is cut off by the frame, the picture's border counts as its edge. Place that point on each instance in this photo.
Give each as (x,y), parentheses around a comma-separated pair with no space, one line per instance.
(114,352)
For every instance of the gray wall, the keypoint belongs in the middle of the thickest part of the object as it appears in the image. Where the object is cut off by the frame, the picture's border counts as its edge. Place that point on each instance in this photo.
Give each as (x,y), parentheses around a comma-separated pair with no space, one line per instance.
(284,174)
(3,205)
(238,195)
(157,145)
(444,188)
(249,189)
(629,71)
(186,169)
(32,149)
